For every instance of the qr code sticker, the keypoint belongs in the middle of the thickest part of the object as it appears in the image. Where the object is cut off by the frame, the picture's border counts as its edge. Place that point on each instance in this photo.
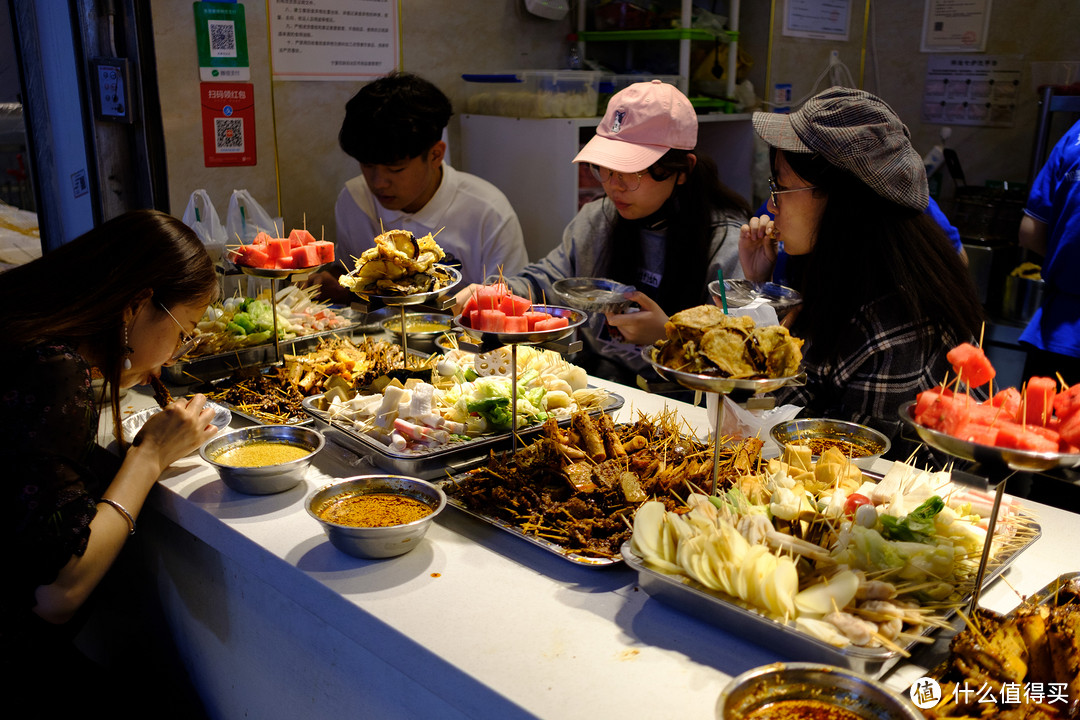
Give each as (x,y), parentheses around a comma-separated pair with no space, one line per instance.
(222,38)
(229,135)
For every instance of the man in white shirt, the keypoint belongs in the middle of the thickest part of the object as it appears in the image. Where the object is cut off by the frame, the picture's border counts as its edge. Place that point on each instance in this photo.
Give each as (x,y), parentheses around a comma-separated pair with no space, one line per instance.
(394,128)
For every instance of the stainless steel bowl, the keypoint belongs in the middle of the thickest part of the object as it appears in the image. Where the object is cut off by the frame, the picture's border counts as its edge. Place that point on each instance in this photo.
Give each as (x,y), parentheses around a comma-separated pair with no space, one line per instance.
(266,479)
(841,688)
(874,443)
(593,295)
(377,542)
(423,339)
(742,292)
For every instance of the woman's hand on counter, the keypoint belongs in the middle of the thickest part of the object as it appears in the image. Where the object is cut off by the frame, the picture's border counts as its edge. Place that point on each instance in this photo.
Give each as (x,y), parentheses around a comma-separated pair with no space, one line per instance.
(644,327)
(758,248)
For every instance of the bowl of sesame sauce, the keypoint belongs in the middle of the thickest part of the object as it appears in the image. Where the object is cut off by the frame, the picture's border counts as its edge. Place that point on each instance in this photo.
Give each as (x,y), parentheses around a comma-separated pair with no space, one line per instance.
(376,516)
(263,459)
(861,444)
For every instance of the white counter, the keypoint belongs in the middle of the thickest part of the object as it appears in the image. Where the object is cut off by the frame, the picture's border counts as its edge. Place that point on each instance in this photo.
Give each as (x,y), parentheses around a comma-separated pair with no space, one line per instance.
(274,622)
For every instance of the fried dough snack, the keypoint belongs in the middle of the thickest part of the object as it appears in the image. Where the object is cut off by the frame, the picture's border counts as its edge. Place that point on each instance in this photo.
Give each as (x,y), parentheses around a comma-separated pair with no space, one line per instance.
(399,264)
(706,340)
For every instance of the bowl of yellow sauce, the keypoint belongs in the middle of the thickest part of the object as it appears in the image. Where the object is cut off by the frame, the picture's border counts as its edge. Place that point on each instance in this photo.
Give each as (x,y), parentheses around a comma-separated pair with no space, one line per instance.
(263,459)
(376,516)
(421,329)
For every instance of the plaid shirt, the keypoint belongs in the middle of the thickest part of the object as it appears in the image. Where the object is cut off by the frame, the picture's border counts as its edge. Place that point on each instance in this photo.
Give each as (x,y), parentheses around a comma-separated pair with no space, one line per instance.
(878,367)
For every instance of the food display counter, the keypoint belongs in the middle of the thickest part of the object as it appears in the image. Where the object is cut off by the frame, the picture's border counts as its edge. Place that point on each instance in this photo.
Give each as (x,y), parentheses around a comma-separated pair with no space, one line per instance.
(272,621)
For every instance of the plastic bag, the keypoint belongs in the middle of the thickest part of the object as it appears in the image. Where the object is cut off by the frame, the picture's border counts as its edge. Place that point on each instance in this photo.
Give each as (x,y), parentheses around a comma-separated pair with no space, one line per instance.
(246,217)
(739,423)
(202,217)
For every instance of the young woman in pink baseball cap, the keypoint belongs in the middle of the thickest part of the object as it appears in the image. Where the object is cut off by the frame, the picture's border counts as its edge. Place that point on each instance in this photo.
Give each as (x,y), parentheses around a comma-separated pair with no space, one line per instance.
(665,225)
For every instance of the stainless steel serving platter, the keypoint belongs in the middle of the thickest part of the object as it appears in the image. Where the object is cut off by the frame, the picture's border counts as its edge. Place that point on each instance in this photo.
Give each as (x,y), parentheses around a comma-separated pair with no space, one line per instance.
(715,383)
(551,547)
(1020,460)
(734,616)
(424,298)
(574,318)
(425,463)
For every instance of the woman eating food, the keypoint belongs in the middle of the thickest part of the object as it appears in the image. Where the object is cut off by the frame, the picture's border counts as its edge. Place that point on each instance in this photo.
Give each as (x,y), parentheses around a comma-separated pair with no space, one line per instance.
(665,225)
(885,294)
(121,299)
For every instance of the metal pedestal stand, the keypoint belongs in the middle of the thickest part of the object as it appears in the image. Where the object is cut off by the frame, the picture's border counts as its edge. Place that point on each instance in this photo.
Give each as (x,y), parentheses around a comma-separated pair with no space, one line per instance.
(720,386)
(438,300)
(560,340)
(1000,463)
(275,277)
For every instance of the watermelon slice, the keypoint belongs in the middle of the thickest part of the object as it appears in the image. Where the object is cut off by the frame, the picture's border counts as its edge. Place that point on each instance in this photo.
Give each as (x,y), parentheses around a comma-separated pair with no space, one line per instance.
(1070,430)
(517,323)
(489,297)
(514,305)
(278,247)
(1008,400)
(1067,402)
(326,250)
(305,256)
(971,364)
(553,323)
(299,238)
(491,321)
(1038,405)
(261,238)
(534,316)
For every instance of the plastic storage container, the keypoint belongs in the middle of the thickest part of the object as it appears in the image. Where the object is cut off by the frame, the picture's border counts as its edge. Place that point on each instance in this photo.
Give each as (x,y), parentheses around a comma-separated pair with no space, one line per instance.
(533,93)
(611,84)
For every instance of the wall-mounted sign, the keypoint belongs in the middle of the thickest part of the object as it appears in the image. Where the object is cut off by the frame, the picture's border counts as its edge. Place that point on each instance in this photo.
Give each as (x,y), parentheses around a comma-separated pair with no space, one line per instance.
(818,19)
(228,119)
(955,25)
(971,90)
(221,37)
(333,39)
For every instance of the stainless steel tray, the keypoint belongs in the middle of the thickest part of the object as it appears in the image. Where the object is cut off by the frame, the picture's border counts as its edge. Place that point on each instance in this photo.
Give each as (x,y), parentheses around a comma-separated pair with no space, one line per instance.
(426,464)
(576,558)
(213,367)
(732,616)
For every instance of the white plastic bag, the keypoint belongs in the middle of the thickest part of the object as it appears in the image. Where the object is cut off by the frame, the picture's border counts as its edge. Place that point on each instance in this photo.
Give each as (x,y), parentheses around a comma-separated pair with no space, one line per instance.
(202,217)
(739,423)
(246,217)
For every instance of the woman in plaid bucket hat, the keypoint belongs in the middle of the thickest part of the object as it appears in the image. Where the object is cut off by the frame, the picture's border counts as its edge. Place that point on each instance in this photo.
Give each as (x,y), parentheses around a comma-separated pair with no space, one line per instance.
(664,226)
(885,294)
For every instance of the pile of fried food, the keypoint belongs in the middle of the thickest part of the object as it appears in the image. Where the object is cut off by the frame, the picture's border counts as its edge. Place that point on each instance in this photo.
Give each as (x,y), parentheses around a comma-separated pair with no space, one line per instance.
(706,340)
(828,551)
(1023,665)
(399,264)
(275,396)
(578,487)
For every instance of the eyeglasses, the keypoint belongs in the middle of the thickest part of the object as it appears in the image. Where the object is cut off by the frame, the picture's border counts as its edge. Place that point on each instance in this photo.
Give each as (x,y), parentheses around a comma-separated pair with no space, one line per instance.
(775,190)
(186,341)
(630,181)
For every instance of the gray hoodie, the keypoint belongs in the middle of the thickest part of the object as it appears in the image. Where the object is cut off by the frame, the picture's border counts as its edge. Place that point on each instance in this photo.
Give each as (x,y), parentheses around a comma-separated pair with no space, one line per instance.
(579,253)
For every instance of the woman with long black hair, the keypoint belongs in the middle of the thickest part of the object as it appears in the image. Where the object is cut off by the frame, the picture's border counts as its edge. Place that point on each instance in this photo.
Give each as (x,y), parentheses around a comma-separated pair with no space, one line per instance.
(885,294)
(665,225)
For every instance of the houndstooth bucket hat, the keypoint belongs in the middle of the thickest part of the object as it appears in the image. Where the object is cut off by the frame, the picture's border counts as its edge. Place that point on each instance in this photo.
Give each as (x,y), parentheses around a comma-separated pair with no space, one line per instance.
(858,132)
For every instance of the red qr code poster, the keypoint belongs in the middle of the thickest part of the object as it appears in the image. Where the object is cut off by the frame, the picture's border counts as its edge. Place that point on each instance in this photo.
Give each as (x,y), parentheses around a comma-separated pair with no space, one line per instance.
(228,120)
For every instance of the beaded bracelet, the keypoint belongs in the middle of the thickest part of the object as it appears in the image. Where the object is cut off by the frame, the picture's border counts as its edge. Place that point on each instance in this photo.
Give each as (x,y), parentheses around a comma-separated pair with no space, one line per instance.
(123,511)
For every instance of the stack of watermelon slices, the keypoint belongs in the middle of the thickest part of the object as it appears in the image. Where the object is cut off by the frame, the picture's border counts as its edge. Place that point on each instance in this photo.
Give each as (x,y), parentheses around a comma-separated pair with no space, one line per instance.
(299,251)
(1040,417)
(493,308)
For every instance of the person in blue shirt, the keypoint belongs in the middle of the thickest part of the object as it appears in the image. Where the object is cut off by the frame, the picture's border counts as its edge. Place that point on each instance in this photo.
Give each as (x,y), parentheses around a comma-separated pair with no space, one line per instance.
(1051,228)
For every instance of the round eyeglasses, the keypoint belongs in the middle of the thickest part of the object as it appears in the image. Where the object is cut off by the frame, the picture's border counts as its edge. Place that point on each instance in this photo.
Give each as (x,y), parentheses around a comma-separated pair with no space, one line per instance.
(185,343)
(629,181)
(776,190)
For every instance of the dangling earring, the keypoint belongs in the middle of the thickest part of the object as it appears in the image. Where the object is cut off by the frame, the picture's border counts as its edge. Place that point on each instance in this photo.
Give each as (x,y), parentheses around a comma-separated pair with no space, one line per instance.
(127,350)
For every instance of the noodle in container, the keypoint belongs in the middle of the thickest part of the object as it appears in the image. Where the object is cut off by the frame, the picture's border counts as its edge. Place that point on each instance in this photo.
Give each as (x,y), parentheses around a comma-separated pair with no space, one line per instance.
(376,516)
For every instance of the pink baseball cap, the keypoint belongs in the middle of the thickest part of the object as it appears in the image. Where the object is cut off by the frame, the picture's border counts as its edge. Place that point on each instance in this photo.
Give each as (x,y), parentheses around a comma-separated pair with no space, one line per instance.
(642,122)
